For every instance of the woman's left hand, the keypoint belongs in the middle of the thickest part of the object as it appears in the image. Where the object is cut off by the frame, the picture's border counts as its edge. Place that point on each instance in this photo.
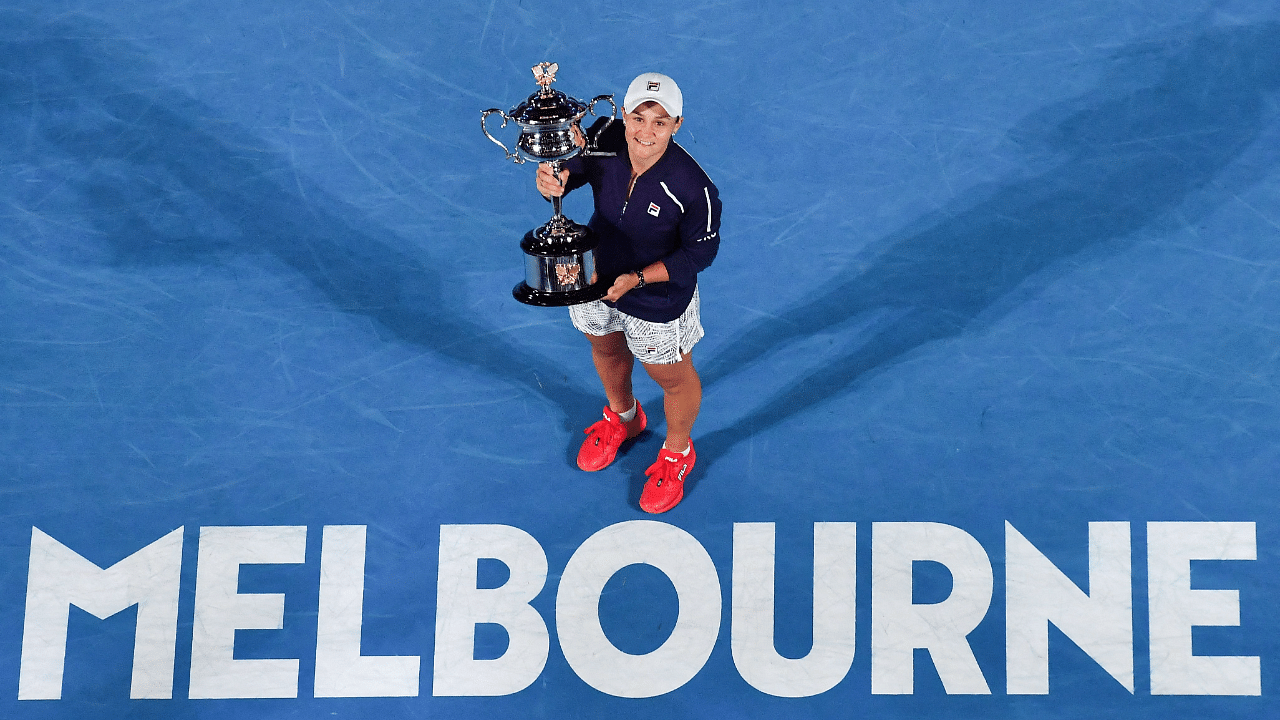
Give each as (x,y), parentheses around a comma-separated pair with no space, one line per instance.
(623,285)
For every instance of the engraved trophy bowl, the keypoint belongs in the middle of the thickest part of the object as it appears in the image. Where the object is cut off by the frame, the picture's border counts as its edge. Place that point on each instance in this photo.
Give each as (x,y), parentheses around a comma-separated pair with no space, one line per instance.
(560,266)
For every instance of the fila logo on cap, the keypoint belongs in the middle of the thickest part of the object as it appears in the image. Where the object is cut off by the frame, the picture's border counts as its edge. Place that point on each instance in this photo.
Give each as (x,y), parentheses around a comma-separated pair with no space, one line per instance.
(653,86)
(654,209)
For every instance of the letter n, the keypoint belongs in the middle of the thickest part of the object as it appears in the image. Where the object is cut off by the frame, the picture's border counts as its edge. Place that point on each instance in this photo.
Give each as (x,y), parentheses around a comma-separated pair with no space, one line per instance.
(58,578)
(1039,594)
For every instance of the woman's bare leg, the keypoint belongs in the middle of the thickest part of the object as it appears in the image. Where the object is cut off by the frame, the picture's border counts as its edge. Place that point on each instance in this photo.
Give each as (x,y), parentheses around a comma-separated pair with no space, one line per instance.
(681,398)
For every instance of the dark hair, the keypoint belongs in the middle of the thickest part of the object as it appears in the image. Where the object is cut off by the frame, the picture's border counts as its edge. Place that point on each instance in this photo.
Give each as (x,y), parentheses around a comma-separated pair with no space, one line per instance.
(654,103)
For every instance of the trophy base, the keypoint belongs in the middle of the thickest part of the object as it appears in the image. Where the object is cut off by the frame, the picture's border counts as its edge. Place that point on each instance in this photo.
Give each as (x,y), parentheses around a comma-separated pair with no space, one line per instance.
(548,298)
(560,265)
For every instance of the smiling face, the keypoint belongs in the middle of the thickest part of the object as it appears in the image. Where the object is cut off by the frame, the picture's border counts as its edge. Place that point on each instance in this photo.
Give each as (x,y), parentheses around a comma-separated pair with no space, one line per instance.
(649,130)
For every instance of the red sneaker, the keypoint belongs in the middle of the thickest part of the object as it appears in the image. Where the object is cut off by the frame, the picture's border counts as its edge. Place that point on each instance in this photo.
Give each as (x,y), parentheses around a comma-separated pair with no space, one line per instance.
(665,487)
(606,436)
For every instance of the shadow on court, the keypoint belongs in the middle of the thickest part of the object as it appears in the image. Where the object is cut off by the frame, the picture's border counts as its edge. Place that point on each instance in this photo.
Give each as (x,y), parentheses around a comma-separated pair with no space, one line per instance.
(131,149)
(1169,119)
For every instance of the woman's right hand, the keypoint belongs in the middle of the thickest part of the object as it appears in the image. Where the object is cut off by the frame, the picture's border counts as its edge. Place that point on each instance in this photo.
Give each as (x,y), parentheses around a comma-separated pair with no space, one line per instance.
(548,185)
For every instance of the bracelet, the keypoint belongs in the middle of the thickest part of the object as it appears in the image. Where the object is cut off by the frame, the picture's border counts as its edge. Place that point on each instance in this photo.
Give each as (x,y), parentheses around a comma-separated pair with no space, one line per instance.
(640,274)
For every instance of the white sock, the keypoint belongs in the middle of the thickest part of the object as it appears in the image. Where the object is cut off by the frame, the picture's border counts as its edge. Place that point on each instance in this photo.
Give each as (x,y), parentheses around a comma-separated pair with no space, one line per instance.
(686,450)
(629,415)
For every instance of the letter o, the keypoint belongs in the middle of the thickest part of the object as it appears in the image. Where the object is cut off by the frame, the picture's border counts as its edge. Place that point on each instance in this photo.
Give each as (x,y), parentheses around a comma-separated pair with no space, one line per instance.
(689,568)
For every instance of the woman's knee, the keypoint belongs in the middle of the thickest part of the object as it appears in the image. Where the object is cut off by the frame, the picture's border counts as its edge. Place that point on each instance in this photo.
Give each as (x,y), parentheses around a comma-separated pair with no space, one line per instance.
(676,377)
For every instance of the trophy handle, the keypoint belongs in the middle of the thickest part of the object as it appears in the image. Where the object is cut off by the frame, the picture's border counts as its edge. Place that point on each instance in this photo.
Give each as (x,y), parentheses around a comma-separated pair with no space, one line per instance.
(590,150)
(514,156)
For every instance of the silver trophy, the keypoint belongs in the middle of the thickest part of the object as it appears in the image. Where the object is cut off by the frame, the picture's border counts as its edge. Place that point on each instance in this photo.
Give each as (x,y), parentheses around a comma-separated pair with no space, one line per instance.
(560,267)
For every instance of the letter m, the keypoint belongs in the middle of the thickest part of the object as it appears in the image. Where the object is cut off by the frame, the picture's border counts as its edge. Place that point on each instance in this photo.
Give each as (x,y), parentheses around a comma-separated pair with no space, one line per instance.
(58,578)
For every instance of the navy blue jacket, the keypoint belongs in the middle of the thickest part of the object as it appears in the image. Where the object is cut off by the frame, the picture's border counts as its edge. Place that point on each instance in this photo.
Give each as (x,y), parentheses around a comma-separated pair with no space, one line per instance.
(672,215)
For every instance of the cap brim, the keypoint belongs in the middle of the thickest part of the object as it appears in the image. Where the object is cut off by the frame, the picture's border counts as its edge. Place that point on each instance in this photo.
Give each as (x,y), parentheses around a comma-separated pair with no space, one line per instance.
(642,99)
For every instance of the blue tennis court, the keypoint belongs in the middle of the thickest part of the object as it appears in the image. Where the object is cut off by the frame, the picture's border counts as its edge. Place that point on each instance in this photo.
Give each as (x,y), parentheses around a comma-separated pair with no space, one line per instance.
(991,387)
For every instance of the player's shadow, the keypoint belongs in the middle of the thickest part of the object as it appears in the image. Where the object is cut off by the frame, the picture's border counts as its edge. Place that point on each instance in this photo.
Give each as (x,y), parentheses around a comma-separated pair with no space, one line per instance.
(165,181)
(1163,125)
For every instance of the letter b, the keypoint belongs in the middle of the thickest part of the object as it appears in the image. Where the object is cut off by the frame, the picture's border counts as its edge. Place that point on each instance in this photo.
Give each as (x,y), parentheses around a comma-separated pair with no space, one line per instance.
(460,605)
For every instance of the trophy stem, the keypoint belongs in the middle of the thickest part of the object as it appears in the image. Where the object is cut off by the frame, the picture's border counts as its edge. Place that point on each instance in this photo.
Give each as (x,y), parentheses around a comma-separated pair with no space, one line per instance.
(558,201)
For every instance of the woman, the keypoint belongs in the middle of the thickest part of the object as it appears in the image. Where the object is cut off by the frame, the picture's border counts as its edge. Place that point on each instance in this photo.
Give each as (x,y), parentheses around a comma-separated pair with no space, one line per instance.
(657,217)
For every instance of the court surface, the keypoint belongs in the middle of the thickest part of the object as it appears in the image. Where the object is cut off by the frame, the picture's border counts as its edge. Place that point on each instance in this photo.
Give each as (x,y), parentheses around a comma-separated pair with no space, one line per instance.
(990,374)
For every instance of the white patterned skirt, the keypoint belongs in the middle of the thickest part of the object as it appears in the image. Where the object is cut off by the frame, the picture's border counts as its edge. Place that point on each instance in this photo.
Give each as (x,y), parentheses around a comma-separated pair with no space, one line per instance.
(652,343)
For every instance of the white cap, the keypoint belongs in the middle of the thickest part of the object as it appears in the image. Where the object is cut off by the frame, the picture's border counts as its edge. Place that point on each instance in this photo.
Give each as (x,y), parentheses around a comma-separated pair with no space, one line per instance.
(656,87)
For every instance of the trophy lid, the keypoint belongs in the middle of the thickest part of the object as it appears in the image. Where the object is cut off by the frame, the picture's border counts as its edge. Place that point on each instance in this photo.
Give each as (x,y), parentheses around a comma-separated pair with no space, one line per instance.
(547,106)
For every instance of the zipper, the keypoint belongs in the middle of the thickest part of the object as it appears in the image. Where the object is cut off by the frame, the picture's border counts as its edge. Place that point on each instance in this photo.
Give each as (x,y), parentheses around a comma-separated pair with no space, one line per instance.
(631,187)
